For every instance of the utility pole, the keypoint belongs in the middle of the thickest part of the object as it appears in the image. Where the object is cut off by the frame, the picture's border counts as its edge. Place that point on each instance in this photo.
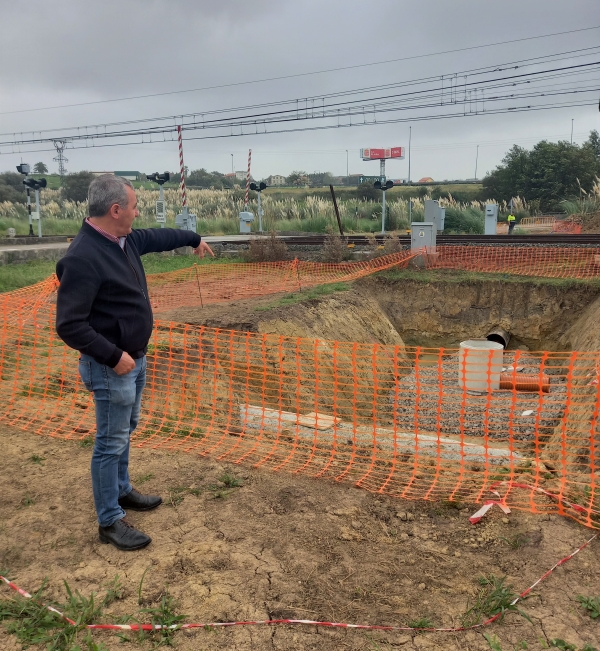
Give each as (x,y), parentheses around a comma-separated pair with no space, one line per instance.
(60,158)
(476,162)
(409,139)
(347,173)
(232,163)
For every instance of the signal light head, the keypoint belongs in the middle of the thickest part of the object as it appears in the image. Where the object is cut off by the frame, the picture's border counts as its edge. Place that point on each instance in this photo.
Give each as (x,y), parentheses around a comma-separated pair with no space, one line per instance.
(23,168)
(253,187)
(389,184)
(159,178)
(35,184)
(377,185)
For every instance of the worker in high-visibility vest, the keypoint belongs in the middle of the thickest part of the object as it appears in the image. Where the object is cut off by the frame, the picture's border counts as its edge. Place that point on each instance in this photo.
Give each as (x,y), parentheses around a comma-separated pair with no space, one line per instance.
(511,223)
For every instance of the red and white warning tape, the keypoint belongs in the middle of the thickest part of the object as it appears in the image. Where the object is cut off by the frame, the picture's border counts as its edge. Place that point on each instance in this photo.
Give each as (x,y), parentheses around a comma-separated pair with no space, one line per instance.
(307,622)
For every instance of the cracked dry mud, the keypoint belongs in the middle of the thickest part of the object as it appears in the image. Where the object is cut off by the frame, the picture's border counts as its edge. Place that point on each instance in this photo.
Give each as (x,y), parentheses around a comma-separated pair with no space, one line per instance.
(284,546)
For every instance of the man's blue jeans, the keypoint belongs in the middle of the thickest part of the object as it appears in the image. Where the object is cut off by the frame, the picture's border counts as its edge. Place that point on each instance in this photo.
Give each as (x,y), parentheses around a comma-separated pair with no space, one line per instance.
(118,399)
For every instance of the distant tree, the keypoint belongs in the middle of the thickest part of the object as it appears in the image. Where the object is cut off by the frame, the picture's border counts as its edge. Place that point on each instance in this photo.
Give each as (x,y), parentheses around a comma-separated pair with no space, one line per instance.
(593,143)
(203,179)
(14,191)
(549,173)
(40,168)
(75,186)
(13,180)
(297,178)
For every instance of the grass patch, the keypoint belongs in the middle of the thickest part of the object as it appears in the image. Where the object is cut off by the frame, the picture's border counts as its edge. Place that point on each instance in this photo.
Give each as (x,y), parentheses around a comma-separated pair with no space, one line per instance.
(591,605)
(33,624)
(157,263)
(308,295)
(464,277)
(420,622)
(493,598)
(15,276)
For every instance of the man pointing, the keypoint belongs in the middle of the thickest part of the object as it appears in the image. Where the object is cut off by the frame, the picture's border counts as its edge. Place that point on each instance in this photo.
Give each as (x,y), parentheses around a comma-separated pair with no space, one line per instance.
(103,311)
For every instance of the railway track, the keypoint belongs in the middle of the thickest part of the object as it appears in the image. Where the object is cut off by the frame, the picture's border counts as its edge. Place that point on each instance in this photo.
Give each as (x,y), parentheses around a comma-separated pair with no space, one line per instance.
(558,239)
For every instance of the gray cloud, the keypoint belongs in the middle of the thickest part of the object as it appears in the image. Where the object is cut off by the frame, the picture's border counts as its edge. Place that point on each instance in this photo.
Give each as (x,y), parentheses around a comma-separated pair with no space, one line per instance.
(71,52)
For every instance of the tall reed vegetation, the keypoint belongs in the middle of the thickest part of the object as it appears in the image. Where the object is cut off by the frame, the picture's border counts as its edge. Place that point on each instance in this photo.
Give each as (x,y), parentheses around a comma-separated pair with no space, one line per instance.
(217,212)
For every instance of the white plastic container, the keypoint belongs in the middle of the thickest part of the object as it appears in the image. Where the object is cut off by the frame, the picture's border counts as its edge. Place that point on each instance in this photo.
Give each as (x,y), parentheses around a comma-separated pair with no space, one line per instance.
(479,365)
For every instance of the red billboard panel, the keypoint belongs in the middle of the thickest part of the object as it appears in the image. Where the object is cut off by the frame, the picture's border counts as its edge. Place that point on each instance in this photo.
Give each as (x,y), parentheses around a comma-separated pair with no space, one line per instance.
(378,154)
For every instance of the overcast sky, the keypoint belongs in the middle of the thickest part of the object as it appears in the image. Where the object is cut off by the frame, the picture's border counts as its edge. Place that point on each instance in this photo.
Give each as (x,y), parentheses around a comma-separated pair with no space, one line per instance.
(72,52)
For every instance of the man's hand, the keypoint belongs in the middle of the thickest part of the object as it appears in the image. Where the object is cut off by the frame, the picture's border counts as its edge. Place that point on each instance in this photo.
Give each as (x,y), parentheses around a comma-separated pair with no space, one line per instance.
(126,364)
(202,249)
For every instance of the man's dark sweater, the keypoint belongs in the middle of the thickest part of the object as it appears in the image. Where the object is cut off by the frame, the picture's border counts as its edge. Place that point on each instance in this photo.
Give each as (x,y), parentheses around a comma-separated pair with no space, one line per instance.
(103,307)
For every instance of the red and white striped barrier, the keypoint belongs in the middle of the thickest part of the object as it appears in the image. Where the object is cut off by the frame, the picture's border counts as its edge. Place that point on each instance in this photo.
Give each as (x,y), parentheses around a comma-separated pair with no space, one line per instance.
(248,180)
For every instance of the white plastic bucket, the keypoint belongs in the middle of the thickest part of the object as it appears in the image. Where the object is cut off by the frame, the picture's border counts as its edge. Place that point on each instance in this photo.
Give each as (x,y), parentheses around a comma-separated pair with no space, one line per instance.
(479,365)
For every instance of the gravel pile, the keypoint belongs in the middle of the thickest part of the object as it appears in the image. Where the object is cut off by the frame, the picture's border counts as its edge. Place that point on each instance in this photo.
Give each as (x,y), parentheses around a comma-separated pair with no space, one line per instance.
(430,400)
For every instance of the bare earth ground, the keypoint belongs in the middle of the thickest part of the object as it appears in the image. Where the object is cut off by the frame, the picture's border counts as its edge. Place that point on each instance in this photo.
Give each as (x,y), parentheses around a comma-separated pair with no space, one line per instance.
(284,546)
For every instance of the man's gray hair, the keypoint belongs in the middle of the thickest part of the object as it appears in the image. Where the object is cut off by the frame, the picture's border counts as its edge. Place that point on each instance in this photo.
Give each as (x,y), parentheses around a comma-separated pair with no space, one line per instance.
(105,191)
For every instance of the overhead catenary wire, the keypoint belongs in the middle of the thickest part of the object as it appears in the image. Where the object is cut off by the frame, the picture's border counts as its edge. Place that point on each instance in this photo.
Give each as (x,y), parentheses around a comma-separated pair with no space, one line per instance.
(346,109)
(304,74)
(441,78)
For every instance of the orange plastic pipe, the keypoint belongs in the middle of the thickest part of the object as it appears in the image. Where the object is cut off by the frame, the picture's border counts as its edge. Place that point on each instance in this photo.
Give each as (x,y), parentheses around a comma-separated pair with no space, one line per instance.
(519,382)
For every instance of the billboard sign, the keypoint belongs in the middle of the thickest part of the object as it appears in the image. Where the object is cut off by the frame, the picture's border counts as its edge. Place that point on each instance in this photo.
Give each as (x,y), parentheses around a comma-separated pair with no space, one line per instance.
(378,154)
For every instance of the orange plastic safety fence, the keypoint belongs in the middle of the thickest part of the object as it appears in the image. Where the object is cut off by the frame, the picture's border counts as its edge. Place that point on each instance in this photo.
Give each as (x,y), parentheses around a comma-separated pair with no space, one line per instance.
(548,262)
(206,284)
(408,422)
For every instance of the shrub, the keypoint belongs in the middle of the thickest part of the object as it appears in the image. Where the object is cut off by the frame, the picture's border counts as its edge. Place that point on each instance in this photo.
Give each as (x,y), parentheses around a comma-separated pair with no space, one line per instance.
(367,192)
(266,249)
(335,247)
(75,186)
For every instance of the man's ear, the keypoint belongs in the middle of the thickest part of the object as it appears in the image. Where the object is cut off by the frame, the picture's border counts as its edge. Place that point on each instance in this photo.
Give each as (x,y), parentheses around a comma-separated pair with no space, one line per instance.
(114,211)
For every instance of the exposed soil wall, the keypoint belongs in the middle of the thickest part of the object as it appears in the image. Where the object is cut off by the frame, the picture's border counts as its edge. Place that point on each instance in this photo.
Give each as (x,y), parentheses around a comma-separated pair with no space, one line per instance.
(540,316)
(446,313)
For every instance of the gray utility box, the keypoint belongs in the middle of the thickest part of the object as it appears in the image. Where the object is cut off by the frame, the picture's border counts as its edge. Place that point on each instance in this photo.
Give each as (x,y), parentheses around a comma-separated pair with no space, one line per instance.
(435,214)
(423,236)
(186,221)
(441,219)
(246,219)
(431,210)
(491,218)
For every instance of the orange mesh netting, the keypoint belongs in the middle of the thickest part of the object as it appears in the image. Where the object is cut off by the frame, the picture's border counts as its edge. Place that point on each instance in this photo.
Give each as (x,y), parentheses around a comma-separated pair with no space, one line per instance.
(408,422)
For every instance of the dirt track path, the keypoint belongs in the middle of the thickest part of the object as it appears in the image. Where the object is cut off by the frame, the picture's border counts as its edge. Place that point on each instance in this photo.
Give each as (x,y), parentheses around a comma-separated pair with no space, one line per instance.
(283,546)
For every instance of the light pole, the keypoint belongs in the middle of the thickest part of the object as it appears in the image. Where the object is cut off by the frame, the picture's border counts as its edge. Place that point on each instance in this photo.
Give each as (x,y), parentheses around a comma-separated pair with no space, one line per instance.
(259,188)
(572,120)
(161,212)
(476,162)
(347,168)
(24,168)
(232,163)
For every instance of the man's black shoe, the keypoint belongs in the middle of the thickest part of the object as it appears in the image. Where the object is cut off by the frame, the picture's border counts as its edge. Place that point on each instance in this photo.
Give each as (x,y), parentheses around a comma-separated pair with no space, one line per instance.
(137,502)
(123,536)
